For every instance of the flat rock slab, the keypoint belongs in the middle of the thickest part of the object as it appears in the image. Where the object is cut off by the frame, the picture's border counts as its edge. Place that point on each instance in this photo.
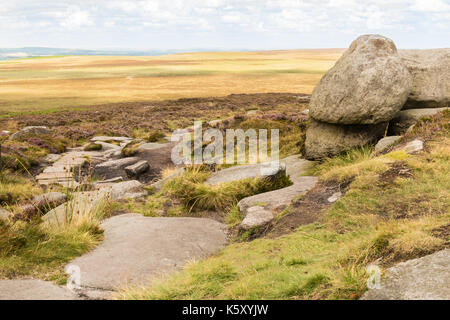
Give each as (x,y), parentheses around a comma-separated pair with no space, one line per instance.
(152,146)
(296,166)
(426,278)
(137,248)
(240,172)
(106,138)
(281,198)
(33,290)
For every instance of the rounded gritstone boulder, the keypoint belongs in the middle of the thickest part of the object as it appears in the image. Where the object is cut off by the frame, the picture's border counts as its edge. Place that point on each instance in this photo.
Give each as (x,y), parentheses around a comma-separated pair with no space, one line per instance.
(369,84)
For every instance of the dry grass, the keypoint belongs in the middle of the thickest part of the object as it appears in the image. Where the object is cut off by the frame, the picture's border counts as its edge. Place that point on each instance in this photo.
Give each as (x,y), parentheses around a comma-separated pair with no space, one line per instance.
(55,83)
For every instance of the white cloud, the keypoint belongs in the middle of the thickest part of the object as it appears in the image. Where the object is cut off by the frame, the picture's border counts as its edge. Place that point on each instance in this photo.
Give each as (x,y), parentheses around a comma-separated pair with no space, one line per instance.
(75,18)
(179,19)
(430,5)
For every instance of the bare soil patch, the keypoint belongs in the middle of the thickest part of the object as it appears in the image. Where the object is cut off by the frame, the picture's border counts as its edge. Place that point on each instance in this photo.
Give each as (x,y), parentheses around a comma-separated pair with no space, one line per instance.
(398,169)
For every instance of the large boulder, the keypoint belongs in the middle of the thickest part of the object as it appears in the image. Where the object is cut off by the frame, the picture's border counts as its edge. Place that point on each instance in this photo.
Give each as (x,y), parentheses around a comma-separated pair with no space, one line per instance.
(430,70)
(30,131)
(325,139)
(369,84)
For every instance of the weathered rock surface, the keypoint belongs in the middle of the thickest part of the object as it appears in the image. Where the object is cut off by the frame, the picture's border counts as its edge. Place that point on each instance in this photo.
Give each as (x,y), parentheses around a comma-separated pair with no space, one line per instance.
(61,171)
(33,290)
(136,249)
(260,170)
(106,138)
(406,118)
(334,197)
(43,203)
(152,146)
(369,84)
(137,168)
(425,278)
(114,168)
(386,142)
(430,70)
(30,131)
(49,200)
(413,146)
(82,203)
(324,139)
(108,146)
(278,199)
(256,217)
(125,190)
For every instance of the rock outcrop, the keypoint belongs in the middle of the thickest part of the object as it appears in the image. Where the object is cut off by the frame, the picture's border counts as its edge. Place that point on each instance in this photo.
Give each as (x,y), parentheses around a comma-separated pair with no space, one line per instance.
(31,289)
(369,84)
(354,101)
(325,139)
(430,70)
(30,131)
(138,249)
(261,170)
(425,278)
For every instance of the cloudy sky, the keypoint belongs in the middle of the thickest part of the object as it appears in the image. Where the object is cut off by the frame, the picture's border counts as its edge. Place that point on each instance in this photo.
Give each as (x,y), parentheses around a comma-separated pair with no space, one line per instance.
(221,24)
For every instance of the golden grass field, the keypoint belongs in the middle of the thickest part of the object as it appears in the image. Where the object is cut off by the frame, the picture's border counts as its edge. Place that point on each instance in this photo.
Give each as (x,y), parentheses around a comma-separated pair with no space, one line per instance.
(57,83)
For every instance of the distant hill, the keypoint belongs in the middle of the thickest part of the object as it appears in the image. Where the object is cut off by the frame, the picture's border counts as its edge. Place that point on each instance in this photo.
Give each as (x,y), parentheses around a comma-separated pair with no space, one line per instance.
(30,52)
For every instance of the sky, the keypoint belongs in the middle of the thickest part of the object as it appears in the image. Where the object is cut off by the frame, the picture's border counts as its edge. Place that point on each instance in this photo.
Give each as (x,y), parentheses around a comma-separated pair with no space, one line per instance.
(221,24)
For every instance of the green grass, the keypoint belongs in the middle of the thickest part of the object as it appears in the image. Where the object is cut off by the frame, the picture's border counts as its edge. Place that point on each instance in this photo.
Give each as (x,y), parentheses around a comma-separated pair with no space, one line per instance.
(41,250)
(15,187)
(188,195)
(374,221)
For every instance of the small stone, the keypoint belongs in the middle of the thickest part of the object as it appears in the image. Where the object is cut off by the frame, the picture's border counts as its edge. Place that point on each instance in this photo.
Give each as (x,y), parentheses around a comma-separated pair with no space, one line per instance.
(256,217)
(335,197)
(52,157)
(386,142)
(413,146)
(137,168)
(4,214)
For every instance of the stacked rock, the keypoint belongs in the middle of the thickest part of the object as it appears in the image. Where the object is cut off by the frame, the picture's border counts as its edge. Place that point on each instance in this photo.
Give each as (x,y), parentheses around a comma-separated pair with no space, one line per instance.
(367,88)
(430,91)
